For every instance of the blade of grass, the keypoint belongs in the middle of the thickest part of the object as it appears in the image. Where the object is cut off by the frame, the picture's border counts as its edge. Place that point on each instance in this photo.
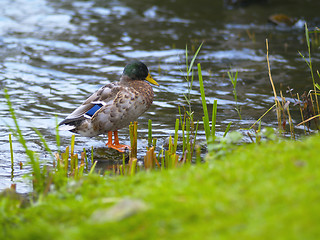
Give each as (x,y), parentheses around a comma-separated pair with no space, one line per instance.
(204,105)
(193,59)
(93,167)
(195,137)
(227,129)
(214,119)
(176,135)
(44,142)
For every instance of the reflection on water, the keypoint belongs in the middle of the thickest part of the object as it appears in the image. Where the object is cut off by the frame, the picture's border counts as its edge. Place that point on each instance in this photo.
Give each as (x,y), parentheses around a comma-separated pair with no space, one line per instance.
(53,54)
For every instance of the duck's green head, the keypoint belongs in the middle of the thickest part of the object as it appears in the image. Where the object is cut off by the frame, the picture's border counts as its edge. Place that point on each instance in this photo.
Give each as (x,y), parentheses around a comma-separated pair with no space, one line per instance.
(137,70)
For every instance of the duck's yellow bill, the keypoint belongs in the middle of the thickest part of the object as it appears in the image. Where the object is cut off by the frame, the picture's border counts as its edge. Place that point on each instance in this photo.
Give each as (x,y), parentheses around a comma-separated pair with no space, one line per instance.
(151,80)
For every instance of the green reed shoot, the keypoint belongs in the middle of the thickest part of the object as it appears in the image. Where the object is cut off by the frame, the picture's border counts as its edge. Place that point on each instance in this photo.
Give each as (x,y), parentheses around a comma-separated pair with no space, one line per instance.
(57,135)
(189,68)
(188,147)
(194,141)
(176,135)
(234,78)
(132,166)
(171,158)
(72,144)
(44,142)
(209,133)
(93,167)
(214,119)
(204,105)
(154,142)
(150,159)
(198,154)
(227,129)
(11,152)
(182,129)
(133,129)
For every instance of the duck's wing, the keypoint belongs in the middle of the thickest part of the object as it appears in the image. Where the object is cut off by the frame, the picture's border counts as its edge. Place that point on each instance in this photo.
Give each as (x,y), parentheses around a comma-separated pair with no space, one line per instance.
(104,96)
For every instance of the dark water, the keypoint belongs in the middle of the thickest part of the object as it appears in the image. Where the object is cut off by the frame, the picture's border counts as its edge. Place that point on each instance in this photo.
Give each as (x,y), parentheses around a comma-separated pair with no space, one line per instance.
(53,54)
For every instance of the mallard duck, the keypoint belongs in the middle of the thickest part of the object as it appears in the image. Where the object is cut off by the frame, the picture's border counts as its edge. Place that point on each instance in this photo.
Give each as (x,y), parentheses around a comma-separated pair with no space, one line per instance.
(113,106)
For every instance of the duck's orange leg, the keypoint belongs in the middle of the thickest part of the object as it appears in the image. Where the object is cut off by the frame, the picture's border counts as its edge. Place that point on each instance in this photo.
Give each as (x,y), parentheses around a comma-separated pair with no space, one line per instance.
(116,145)
(109,143)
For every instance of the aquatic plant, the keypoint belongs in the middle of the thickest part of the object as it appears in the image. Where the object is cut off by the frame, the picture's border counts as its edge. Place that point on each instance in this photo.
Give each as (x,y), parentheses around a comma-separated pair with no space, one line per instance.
(308,103)
(314,92)
(234,78)
(43,176)
(209,131)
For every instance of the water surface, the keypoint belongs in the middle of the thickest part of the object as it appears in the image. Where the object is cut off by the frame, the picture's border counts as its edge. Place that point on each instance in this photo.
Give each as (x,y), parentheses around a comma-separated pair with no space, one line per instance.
(54,54)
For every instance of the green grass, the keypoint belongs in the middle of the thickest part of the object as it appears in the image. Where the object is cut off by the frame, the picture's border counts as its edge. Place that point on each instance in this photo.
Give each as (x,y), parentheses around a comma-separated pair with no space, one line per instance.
(267,191)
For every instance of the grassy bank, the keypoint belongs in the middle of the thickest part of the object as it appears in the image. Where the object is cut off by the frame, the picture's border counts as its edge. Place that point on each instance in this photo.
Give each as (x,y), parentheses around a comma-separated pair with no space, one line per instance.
(268,191)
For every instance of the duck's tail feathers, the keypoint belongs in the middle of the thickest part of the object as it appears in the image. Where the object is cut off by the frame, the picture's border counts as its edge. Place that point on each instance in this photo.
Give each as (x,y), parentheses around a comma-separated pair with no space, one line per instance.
(70,124)
(65,127)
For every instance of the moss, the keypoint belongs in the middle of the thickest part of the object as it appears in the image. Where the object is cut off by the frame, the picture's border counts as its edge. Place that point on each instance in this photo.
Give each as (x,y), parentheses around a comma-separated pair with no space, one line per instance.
(256,192)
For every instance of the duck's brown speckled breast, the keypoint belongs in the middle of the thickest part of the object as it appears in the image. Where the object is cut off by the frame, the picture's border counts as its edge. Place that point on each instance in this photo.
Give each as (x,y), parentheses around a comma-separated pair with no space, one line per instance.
(145,91)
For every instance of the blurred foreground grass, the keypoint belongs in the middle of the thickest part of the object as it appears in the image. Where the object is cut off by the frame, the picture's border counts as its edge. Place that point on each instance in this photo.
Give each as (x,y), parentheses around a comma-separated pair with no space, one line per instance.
(267,191)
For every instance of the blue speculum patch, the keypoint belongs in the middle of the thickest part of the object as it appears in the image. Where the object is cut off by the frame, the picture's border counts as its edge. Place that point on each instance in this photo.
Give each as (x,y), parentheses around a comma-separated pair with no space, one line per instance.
(93,110)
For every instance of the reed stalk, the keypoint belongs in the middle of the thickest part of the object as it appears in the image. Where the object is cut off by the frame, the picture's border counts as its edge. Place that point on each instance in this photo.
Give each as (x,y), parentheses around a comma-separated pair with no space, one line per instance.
(198,154)
(176,135)
(214,119)
(11,154)
(72,144)
(133,129)
(132,166)
(259,119)
(278,108)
